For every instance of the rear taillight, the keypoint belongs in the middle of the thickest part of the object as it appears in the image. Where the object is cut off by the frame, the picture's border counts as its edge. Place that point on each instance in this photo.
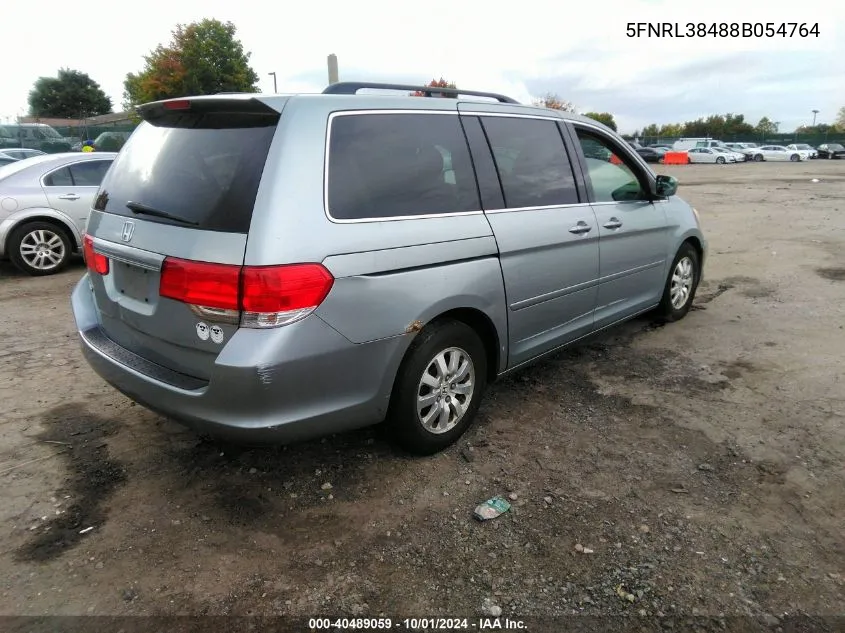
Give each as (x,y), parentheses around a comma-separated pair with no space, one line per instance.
(275,295)
(200,283)
(96,262)
(265,296)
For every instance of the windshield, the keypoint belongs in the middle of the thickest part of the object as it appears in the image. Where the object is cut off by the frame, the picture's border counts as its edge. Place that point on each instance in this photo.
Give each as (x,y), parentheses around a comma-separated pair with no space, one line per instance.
(803,146)
(835,146)
(48,132)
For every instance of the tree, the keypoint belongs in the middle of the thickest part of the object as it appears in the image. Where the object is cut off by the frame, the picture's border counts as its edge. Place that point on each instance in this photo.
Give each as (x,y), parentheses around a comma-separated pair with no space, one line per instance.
(202,58)
(817,130)
(70,95)
(840,119)
(437,83)
(765,126)
(603,117)
(551,100)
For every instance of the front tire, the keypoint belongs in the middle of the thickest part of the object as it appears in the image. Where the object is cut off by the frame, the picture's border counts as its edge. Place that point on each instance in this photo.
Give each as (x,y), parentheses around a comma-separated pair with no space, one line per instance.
(794,158)
(438,387)
(681,285)
(758,158)
(39,248)
(720,160)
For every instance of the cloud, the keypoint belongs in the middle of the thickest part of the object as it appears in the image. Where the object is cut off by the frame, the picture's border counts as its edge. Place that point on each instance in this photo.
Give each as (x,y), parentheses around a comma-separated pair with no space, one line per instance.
(524,51)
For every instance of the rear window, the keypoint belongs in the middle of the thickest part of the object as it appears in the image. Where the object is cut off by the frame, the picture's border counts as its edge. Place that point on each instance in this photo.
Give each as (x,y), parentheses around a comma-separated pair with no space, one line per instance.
(399,165)
(203,172)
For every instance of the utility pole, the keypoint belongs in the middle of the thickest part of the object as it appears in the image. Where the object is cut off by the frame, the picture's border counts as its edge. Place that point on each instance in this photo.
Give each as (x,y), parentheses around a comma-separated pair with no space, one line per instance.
(815,112)
(332,64)
(273,75)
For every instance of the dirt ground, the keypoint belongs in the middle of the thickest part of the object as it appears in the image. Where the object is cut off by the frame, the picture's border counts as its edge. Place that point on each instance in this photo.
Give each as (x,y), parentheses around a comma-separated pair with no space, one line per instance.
(691,469)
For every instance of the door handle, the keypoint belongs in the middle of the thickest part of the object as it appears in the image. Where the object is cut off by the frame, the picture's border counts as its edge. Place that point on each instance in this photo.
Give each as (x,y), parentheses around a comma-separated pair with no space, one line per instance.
(69,196)
(580,228)
(612,223)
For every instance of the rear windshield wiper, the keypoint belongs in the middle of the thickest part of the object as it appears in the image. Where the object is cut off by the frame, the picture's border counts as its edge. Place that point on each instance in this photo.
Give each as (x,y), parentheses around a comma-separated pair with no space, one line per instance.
(142,209)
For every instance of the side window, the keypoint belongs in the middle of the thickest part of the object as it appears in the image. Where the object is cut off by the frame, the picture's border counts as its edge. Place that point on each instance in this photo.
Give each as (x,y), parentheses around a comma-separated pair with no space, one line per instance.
(613,179)
(59,178)
(89,173)
(531,158)
(394,165)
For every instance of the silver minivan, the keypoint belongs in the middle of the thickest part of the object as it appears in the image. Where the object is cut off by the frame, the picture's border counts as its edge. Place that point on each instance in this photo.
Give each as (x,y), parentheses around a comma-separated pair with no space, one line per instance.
(274,268)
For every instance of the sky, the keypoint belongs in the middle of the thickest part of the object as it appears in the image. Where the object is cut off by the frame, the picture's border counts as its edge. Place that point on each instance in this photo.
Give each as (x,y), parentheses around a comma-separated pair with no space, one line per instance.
(581,52)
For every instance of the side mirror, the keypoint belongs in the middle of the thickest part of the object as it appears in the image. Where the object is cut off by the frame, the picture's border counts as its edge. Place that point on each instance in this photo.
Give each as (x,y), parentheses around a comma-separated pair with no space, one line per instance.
(665,186)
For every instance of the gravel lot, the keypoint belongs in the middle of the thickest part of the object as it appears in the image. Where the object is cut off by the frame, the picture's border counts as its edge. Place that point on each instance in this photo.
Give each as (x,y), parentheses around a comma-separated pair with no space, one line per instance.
(701,463)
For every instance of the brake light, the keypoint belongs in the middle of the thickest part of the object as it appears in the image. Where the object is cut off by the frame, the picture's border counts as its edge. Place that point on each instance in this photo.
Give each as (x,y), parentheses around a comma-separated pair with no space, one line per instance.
(177,104)
(265,296)
(96,262)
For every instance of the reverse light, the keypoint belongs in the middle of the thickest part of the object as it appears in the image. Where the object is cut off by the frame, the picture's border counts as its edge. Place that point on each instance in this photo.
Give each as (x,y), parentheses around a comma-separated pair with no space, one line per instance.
(96,262)
(263,296)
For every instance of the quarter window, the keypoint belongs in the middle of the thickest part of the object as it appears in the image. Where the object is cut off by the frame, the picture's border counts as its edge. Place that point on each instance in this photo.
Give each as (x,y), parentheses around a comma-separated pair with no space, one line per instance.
(396,165)
(612,178)
(59,178)
(532,162)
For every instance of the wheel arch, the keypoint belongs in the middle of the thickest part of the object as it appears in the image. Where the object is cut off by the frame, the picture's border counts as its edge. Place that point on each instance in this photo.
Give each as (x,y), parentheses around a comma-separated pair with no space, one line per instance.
(486,330)
(50,216)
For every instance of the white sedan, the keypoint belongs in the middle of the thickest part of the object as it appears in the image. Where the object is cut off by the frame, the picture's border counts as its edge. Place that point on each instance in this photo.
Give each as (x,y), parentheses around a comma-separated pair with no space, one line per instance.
(806,151)
(739,156)
(779,152)
(710,155)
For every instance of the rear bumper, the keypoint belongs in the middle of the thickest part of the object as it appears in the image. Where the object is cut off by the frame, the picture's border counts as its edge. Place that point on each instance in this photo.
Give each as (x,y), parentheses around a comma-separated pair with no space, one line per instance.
(273,386)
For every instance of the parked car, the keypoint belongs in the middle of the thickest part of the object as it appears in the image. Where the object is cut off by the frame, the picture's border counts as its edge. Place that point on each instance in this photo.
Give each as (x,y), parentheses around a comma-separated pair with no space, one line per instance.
(709,155)
(779,152)
(35,136)
(751,151)
(650,155)
(738,157)
(5,160)
(831,150)
(20,153)
(665,148)
(46,200)
(685,144)
(272,268)
(111,141)
(807,151)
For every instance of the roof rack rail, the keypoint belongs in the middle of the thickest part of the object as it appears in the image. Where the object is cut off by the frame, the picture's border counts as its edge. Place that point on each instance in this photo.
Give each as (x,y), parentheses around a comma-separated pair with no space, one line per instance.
(352,87)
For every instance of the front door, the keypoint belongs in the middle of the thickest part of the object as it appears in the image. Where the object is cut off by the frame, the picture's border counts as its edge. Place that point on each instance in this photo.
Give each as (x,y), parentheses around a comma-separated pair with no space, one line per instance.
(632,229)
(547,237)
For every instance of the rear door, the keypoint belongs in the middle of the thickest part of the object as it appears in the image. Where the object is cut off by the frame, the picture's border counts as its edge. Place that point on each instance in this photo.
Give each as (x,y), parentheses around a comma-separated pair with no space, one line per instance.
(71,188)
(547,235)
(172,218)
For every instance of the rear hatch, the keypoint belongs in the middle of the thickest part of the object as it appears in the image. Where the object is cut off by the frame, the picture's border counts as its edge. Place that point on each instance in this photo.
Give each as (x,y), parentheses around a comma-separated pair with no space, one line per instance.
(165,242)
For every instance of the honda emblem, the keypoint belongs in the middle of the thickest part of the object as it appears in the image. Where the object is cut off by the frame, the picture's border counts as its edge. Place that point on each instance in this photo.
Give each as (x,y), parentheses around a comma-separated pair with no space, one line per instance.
(128,231)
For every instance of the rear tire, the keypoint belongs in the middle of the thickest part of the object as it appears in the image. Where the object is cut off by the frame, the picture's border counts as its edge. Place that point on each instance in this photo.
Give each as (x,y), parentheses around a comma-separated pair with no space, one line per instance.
(681,284)
(795,158)
(438,388)
(720,160)
(39,248)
